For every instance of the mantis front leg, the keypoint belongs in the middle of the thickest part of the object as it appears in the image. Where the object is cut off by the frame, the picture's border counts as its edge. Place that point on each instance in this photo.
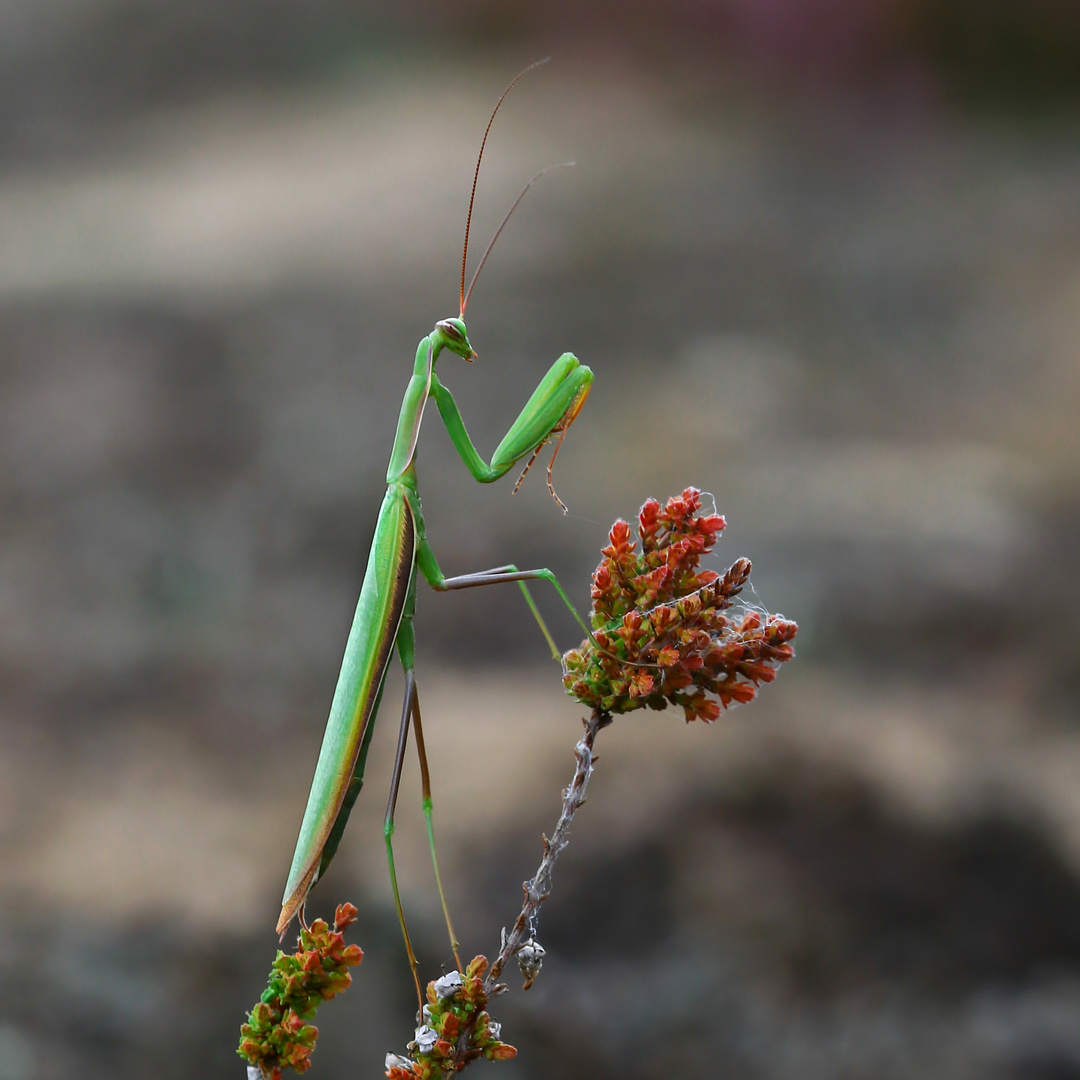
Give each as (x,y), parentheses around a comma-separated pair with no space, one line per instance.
(553,407)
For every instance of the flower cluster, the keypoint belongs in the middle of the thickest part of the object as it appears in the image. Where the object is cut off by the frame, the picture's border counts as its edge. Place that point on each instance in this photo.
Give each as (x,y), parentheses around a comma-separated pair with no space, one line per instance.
(277,1034)
(659,633)
(456,1029)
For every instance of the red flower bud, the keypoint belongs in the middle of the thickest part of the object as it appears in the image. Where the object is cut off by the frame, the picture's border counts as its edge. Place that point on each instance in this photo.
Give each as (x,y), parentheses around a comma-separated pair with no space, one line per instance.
(345,916)
(743,692)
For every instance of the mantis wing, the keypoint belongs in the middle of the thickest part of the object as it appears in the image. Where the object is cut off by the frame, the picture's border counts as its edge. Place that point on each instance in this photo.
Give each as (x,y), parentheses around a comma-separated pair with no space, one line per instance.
(340,769)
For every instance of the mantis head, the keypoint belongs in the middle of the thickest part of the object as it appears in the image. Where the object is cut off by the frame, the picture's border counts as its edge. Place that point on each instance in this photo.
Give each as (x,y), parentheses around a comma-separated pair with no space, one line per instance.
(454,337)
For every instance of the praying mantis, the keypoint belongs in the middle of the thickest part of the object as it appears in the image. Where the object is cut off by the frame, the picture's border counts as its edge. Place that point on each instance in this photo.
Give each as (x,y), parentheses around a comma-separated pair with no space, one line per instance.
(384,612)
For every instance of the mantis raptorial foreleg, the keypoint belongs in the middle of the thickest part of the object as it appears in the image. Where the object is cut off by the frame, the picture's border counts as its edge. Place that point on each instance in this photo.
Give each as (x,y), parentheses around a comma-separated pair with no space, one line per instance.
(553,407)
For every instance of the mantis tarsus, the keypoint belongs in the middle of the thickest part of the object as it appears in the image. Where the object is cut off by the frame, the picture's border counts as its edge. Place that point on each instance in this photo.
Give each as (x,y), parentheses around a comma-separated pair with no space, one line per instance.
(384,612)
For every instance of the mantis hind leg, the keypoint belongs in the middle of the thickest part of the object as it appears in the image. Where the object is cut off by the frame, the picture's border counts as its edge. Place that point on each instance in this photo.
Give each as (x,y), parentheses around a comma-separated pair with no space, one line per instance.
(388,826)
(425,779)
(410,715)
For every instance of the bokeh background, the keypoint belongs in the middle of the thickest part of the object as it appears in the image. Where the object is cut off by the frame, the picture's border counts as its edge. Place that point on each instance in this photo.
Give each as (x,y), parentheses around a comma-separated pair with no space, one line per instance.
(824,258)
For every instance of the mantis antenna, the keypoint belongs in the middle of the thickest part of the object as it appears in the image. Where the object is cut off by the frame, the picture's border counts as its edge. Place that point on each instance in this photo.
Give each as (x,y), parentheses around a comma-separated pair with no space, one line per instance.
(476,176)
(468,293)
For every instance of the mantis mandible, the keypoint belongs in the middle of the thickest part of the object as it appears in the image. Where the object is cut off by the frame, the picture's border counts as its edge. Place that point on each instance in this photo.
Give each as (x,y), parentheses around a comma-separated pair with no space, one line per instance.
(384,612)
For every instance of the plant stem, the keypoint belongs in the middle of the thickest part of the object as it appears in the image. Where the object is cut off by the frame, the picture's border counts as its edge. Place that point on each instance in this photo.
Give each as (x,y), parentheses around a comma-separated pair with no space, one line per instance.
(537,890)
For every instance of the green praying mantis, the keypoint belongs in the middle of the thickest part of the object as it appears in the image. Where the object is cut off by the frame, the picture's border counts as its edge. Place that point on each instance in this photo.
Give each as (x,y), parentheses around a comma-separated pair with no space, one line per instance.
(384,613)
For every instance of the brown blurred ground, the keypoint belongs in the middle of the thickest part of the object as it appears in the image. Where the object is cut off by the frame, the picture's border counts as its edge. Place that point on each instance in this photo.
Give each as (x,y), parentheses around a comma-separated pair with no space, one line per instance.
(825,265)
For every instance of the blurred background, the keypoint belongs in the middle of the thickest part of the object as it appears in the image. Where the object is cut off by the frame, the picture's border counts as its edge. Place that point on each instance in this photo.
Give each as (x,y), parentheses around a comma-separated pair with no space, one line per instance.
(824,258)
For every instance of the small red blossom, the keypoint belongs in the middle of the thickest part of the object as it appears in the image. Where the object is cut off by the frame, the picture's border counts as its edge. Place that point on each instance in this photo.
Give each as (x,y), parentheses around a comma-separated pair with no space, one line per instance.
(277,1035)
(660,635)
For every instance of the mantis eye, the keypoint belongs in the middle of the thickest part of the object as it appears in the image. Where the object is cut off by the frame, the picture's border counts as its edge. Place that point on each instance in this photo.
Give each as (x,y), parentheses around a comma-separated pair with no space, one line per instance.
(450,330)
